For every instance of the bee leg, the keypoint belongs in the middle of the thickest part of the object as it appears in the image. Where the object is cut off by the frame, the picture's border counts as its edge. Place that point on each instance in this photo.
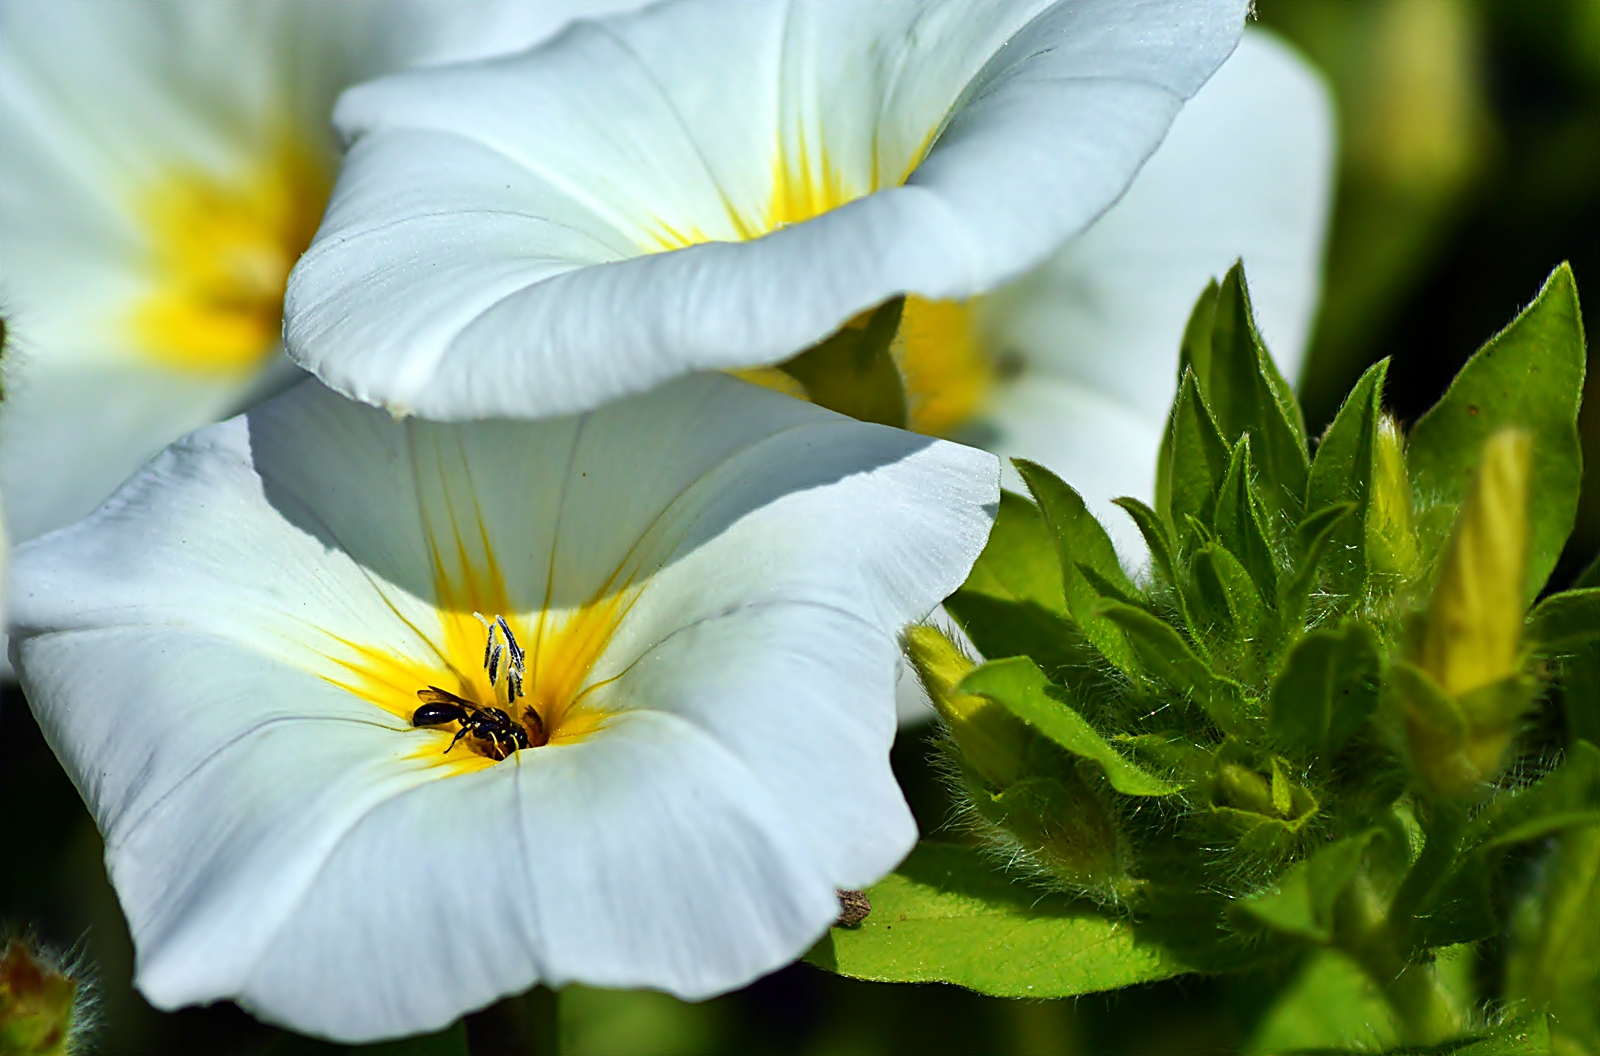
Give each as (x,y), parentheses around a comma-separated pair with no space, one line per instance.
(462,732)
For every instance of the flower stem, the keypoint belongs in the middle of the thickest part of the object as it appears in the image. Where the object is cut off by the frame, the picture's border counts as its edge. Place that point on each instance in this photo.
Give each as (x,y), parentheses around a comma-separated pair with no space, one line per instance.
(528,1025)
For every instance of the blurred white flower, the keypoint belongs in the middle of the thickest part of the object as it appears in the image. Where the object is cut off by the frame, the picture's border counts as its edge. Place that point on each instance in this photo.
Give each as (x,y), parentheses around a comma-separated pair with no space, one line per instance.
(164,165)
(698,648)
(707,185)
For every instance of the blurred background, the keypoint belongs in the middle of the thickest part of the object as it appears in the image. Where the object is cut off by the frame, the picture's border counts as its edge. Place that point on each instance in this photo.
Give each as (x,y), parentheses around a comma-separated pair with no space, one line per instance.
(1470,168)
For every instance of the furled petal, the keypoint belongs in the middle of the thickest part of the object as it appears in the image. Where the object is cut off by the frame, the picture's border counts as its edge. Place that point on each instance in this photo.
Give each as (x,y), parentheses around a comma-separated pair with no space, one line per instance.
(138,132)
(226,656)
(704,185)
(1245,172)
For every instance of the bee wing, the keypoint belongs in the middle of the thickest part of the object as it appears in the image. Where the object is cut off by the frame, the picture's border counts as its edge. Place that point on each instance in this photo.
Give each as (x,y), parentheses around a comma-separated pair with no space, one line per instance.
(435,695)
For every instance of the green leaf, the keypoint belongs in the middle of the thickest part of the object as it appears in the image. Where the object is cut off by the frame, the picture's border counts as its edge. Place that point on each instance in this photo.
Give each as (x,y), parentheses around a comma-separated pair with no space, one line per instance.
(1021,628)
(1248,395)
(1555,949)
(1168,657)
(1088,561)
(1156,537)
(1021,687)
(1197,458)
(853,372)
(1565,623)
(1530,375)
(1194,354)
(1239,522)
(947,916)
(1222,597)
(1315,535)
(1328,687)
(1331,1006)
(1302,902)
(1342,473)
(1019,562)
(449,1042)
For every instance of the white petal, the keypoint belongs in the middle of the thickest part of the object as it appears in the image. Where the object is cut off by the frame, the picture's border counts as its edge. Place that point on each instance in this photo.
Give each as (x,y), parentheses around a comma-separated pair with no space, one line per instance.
(100,102)
(493,246)
(276,839)
(1245,172)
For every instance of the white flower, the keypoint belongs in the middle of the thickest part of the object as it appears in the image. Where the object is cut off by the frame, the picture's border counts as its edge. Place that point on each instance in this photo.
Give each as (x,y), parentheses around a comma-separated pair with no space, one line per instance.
(228,657)
(164,164)
(707,185)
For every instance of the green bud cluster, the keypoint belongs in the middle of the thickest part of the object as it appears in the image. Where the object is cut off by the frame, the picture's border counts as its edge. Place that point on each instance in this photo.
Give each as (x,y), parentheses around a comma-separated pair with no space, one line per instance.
(43,1007)
(1294,726)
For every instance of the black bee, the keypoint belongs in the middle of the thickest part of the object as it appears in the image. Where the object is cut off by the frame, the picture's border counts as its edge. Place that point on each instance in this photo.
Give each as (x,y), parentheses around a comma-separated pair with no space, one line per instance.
(492,726)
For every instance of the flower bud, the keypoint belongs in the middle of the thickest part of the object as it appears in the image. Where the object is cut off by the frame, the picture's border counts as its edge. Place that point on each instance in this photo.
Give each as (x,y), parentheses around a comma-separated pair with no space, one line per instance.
(1391,542)
(37,1005)
(992,741)
(1465,692)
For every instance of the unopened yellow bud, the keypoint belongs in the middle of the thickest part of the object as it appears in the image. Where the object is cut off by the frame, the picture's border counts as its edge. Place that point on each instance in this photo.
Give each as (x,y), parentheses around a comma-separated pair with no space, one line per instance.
(1391,542)
(36,1005)
(990,738)
(1473,632)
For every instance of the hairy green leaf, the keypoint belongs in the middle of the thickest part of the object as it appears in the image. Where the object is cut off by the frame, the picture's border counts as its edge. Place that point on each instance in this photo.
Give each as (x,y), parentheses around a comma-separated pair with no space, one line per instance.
(853,372)
(1328,687)
(1197,458)
(1315,534)
(1089,566)
(1302,902)
(1222,597)
(1021,687)
(1249,396)
(1564,623)
(1022,628)
(1240,521)
(946,915)
(1342,473)
(1168,657)
(1156,536)
(1530,375)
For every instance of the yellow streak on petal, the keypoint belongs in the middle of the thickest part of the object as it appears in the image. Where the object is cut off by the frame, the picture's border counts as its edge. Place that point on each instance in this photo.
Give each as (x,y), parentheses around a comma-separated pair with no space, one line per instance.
(220,251)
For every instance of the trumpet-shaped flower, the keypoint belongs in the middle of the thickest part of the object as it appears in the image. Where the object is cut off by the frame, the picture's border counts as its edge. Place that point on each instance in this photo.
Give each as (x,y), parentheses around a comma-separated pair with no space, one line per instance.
(382,719)
(703,185)
(165,164)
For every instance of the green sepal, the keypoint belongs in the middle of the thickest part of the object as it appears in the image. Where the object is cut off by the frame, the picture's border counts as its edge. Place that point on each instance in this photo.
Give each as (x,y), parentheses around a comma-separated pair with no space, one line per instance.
(1302,902)
(1196,346)
(1020,686)
(1248,396)
(1565,623)
(1328,687)
(1082,546)
(853,371)
(1342,473)
(947,915)
(1314,534)
(1239,521)
(1529,376)
(1197,458)
(1022,628)
(1164,653)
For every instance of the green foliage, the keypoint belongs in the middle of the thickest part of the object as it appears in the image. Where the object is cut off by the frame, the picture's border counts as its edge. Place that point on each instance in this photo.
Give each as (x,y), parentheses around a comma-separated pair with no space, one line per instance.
(947,915)
(1286,742)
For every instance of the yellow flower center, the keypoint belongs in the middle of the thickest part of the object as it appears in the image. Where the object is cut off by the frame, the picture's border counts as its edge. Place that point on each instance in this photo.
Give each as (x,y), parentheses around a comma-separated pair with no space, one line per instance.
(220,252)
(540,677)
